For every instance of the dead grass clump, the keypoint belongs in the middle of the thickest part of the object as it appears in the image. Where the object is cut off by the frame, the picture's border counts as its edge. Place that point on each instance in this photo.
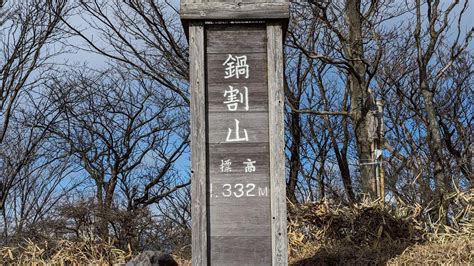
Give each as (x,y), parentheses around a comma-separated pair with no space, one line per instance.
(63,252)
(326,233)
(457,252)
(182,262)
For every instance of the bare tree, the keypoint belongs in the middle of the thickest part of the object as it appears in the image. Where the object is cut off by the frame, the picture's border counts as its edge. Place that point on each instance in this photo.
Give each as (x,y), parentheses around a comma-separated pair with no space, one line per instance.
(146,37)
(354,47)
(426,42)
(27,29)
(32,173)
(429,67)
(351,48)
(124,133)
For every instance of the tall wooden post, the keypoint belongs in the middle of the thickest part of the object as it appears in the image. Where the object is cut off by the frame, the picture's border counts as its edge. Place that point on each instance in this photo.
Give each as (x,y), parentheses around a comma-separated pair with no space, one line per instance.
(237,125)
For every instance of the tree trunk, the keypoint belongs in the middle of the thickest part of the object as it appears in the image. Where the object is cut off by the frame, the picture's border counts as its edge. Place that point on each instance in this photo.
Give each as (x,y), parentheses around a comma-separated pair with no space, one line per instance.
(435,142)
(359,95)
(295,132)
(101,216)
(341,159)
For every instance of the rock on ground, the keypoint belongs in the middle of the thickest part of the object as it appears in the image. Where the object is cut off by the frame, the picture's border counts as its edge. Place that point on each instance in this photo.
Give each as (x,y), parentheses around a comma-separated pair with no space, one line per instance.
(152,258)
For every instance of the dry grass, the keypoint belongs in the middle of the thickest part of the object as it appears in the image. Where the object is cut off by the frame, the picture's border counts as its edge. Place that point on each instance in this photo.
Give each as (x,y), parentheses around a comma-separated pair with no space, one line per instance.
(457,252)
(366,233)
(319,234)
(183,262)
(63,252)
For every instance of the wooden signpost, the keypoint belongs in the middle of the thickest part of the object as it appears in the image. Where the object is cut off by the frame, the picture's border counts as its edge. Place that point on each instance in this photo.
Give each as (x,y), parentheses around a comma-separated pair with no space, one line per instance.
(237,126)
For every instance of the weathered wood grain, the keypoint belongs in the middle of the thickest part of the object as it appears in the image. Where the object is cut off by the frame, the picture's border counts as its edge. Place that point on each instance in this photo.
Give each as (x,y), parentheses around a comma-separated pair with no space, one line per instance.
(198,142)
(237,40)
(234,10)
(277,145)
(256,62)
(254,249)
(238,223)
(255,123)
(237,230)
(243,213)
(228,38)
(238,153)
(257,97)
